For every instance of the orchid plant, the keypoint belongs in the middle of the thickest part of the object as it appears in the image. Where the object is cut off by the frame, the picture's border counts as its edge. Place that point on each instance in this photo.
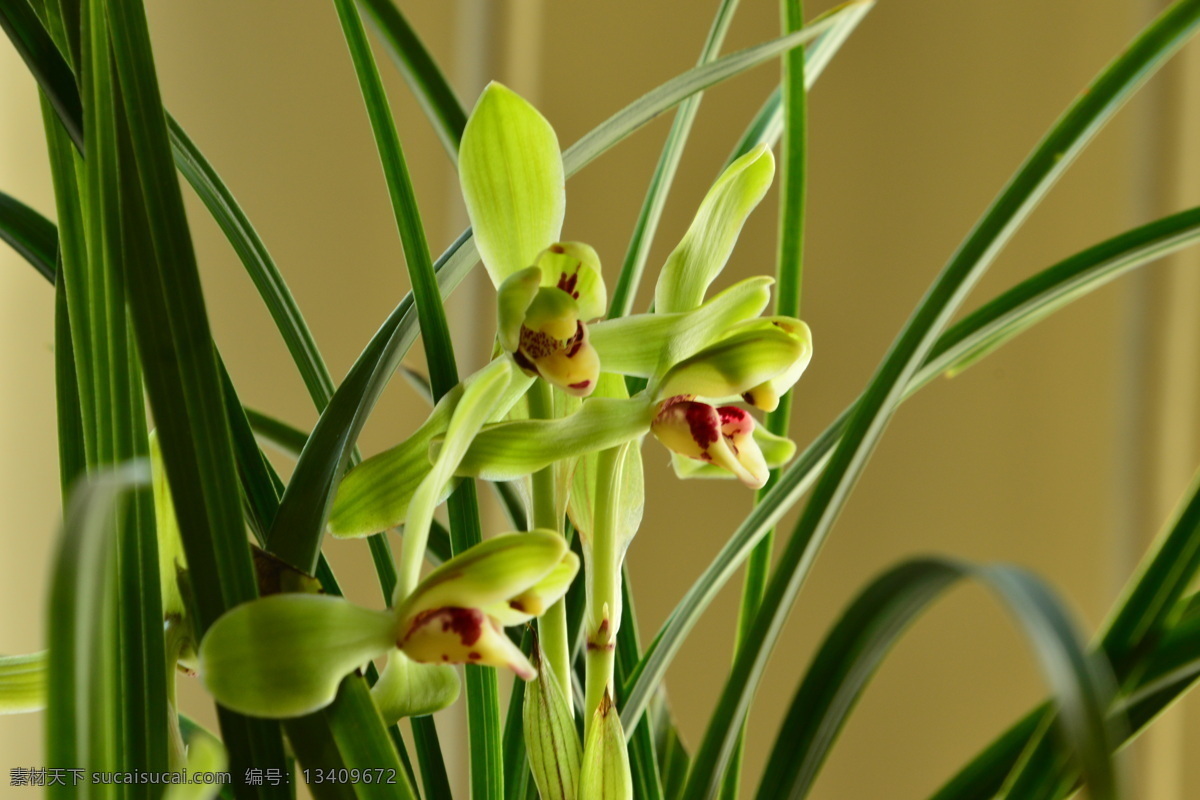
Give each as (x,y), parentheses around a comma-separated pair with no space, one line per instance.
(313,686)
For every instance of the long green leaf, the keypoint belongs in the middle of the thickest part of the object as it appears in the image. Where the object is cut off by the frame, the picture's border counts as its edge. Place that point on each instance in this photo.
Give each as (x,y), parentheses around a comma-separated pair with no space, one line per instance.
(29,233)
(250,249)
(421,72)
(175,342)
(48,66)
(886,388)
(83,667)
(120,422)
(1142,620)
(483,707)
(664,174)
(865,633)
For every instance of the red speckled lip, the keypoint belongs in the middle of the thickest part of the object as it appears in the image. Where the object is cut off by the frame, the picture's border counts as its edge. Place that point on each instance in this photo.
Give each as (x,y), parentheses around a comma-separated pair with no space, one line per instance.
(467,623)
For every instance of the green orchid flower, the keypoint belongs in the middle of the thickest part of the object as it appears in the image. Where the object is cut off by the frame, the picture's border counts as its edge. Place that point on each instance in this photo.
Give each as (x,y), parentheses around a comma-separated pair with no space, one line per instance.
(697,356)
(283,655)
(511,172)
(710,353)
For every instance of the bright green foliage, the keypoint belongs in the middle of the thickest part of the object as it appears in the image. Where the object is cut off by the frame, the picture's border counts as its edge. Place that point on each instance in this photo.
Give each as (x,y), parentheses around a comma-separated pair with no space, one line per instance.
(22,683)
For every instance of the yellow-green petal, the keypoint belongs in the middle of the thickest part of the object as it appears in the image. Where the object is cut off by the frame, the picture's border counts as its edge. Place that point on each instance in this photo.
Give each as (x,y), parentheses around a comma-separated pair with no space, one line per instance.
(408,689)
(513,298)
(735,365)
(375,495)
(284,655)
(509,450)
(490,572)
(511,170)
(574,267)
(533,601)
(646,345)
(704,249)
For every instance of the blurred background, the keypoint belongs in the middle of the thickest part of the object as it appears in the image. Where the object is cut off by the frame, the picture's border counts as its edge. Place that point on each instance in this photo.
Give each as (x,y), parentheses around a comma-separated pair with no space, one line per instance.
(1063,452)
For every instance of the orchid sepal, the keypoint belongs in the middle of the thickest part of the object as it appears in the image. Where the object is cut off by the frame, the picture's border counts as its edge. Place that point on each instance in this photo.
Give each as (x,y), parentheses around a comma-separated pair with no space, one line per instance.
(511,171)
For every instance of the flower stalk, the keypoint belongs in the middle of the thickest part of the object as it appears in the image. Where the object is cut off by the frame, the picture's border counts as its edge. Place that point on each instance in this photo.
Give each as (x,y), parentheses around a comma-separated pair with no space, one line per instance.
(606,552)
(552,626)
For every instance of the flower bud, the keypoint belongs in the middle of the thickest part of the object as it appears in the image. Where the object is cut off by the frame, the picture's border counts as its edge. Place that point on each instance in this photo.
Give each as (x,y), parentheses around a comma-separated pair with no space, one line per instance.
(456,615)
(605,774)
(750,360)
(721,436)
(766,395)
(551,742)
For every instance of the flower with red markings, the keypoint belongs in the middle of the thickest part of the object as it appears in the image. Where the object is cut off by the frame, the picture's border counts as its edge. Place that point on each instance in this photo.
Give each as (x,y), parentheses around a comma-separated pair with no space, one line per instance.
(722,436)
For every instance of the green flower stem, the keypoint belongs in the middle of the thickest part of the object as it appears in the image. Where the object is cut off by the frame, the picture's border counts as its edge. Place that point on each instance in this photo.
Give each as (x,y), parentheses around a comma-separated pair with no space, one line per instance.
(604,582)
(552,626)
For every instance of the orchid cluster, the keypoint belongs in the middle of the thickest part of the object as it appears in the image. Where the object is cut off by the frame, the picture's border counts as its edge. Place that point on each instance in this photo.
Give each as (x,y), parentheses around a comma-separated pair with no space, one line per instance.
(553,412)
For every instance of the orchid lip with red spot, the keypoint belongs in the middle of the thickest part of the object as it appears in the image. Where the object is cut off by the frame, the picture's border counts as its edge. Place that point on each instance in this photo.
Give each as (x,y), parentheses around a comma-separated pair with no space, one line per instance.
(722,436)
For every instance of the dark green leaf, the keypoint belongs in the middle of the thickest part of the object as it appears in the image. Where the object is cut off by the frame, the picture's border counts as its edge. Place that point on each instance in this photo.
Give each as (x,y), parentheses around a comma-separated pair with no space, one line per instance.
(417,66)
(30,234)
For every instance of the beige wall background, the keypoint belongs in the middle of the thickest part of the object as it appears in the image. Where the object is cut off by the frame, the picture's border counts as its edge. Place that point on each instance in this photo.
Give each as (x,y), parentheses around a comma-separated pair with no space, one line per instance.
(1063,452)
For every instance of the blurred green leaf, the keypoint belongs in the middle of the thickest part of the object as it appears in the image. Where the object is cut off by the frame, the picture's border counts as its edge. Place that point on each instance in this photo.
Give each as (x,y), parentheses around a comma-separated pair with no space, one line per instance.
(880,614)
(22,683)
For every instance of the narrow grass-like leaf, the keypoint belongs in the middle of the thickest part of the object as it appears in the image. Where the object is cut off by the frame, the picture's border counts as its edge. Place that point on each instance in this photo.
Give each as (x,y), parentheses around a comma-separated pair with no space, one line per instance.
(1141,621)
(364,743)
(421,72)
(121,422)
(697,79)
(176,345)
(29,233)
(259,265)
(767,125)
(435,782)
(487,776)
(1048,161)
(72,449)
(664,175)
(865,633)
(48,66)
(83,667)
